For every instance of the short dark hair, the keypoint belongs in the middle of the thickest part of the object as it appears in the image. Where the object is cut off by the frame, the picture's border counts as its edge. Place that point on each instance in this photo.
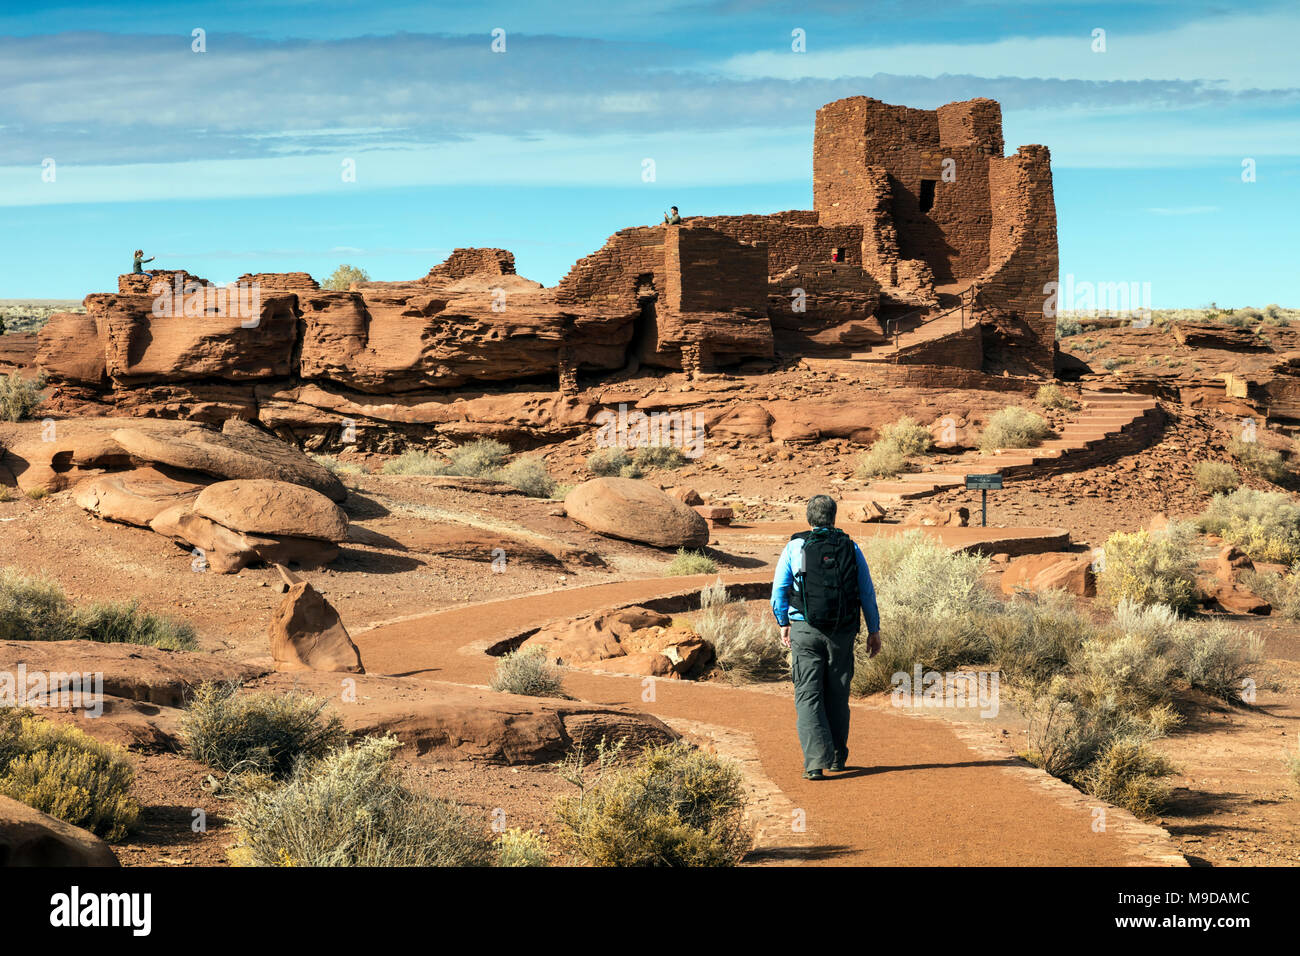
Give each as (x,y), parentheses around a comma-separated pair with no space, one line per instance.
(672,207)
(821,511)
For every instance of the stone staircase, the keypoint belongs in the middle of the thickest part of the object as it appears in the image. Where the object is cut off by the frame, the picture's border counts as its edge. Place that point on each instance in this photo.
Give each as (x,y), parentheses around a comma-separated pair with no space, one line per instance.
(922,333)
(1110,425)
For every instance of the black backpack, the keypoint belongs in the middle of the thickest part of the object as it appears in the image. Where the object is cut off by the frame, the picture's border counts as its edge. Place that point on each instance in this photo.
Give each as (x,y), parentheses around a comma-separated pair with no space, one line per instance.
(828,583)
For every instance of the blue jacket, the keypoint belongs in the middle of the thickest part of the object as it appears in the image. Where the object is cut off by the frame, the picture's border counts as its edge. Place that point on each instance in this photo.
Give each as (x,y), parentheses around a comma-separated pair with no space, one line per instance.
(783,586)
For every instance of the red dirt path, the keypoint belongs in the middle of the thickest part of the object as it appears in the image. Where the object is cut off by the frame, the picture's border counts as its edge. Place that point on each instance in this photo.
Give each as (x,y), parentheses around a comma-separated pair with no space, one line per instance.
(915,793)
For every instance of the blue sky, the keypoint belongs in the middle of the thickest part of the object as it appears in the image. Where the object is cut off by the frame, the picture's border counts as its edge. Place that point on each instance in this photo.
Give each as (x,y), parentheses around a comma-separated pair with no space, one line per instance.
(230,160)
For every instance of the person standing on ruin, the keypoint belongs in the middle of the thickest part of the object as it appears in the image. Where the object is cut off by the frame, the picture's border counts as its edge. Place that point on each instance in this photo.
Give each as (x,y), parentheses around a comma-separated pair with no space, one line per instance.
(821,587)
(673,219)
(140,260)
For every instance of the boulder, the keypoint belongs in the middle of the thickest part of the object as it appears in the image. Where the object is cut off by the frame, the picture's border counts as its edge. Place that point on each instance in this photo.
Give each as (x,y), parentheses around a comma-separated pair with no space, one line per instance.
(1234,599)
(307,634)
(595,637)
(225,551)
(134,497)
(867,512)
(715,515)
(635,511)
(239,450)
(270,508)
(932,516)
(31,838)
(1049,572)
(1231,562)
(687,496)
(743,420)
(67,452)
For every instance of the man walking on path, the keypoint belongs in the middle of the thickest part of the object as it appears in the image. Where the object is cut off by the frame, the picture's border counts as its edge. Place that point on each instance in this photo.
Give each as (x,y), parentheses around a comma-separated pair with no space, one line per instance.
(822,584)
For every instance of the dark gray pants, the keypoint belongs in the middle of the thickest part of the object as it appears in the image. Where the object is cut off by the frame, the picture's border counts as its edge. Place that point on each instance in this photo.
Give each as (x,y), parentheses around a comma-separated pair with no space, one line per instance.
(822,668)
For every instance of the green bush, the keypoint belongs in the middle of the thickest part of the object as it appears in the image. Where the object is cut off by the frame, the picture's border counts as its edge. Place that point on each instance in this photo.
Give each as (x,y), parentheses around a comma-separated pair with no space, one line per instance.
(341,279)
(350,808)
(36,609)
(122,622)
(630,470)
(333,465)
(517,847)
(1216,477)
(66,773)
(1258,460)
(1130,774)
(19,396)
(746,647)
(888,454)
(416,462)
(262,734)
(1013,427)
(33,609)
(690,562)
(1264,524)
(528,672)
(1050,395)
(607,462)
(1037,635)
(658,456)
(529,475)
(1280,590)
(1067,326)
(1149,567)
(1217,658)
(670,806)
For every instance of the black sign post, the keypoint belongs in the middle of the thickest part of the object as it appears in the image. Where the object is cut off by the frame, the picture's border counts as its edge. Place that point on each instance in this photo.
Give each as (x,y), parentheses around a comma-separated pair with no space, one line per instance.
(984,483)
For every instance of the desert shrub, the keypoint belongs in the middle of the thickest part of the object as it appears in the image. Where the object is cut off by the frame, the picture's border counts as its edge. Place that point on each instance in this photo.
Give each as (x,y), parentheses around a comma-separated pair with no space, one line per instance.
(478,459)
(1050,395)
(1216,658)
(1067,326)
(1037,635)
(690,562)
(33,609)
(1013,427)
(889,453)
(1130,774)
(659,456)
(529,475)
(1264,524)
(1149,567)
(66,773)
(932,605)
(1293,768)
(261,734)
(341,279)
(123,622)
(517,847)
(19,396)
(350,808)
(333,465)
(416,462)
(528,672)
(6,494)
(1258,460)
(1124,670)
(1065,735)
(672,805)
(1216,477)
(37,493)
(880,461)
(630,470)
(746,647)
(607,462)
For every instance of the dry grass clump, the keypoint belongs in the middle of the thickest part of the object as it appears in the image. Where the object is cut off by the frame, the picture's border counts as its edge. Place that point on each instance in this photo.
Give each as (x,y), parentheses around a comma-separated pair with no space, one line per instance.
(1013,427)
(19,396)
(1258,460)
(671,805)
(528,672)
(658,456)
(350,808)
(889,454)
(59,770)
(483,458)
(690,562)
(746,647)
(1051,395)
(260,734)
(1216,477)
(36,609)
(609,462)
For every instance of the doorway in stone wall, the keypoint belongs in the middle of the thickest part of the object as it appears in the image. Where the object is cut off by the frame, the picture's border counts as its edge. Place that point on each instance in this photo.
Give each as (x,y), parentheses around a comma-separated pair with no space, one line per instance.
(645,328)
(926,197)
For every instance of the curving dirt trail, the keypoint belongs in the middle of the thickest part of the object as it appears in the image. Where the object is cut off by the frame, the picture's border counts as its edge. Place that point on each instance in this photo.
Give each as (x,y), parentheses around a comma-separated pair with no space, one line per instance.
(916,793)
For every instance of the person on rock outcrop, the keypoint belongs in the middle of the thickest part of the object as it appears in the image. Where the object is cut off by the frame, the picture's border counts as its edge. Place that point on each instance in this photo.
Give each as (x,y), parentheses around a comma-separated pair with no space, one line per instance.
(140,260)
(821,586)
(673,219)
